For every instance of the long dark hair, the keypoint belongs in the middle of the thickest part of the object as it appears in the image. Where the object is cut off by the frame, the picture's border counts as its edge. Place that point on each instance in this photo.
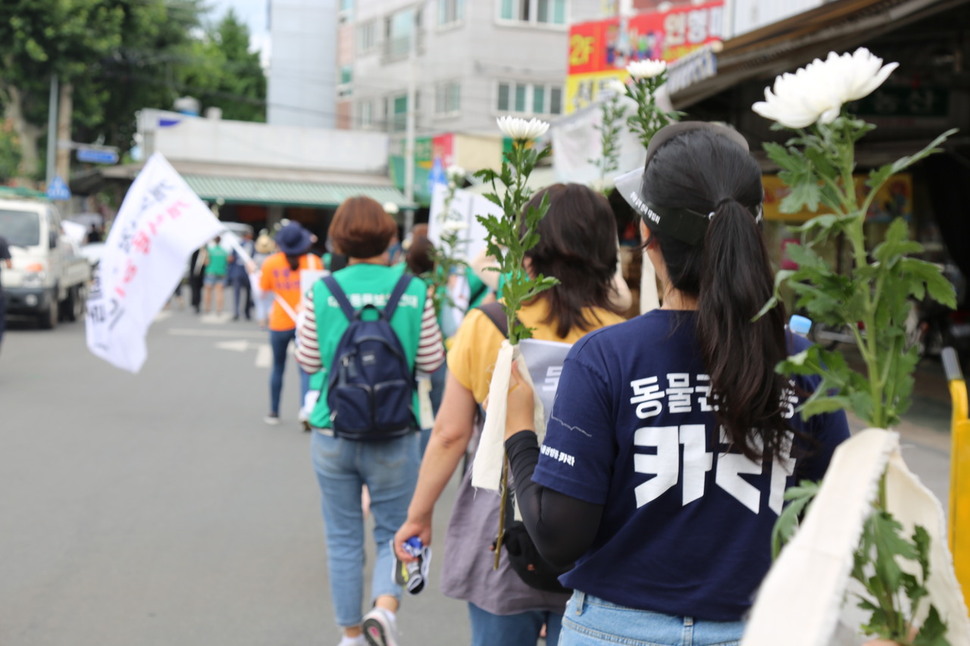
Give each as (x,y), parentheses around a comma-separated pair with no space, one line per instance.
(577,245)
(730,274)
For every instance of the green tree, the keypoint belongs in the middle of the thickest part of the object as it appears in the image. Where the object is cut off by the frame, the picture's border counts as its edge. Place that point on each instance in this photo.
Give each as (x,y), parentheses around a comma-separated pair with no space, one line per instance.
(225,74)
(142,72)
(40,38)
(113,58)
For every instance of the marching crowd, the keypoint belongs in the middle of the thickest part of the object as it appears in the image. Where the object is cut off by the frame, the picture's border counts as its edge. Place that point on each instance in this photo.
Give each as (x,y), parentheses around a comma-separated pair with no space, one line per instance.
(647,509)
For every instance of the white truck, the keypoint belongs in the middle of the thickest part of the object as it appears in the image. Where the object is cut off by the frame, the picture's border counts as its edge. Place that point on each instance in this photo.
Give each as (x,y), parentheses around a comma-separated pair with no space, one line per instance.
(49,278)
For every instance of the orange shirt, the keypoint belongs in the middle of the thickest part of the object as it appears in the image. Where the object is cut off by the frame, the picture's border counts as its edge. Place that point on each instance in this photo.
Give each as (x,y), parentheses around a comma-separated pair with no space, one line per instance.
(277,277)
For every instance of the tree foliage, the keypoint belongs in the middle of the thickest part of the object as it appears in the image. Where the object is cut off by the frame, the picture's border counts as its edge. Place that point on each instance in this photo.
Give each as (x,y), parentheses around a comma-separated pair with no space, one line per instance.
(120,56)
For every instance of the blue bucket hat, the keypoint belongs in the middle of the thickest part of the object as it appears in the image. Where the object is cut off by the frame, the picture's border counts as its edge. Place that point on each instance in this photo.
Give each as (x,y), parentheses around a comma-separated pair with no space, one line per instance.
(293,239)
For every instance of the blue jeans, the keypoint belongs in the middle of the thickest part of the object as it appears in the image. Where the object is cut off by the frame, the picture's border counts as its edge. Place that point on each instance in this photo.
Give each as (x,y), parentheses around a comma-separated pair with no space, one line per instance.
(520,629)
(591,621)
(390,471)
(241,304)
(279,341)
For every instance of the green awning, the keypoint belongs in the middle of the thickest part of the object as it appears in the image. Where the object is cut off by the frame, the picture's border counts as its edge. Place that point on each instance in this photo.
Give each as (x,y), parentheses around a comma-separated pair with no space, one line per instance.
(235,190)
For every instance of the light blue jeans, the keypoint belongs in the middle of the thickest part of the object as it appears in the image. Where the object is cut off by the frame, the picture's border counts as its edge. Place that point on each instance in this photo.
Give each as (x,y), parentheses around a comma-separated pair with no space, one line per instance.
(520,629)
(390,471)
(591,621)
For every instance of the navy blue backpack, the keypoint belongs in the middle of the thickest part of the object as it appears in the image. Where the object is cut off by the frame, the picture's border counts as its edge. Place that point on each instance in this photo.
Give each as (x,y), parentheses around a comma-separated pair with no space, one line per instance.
(370,387)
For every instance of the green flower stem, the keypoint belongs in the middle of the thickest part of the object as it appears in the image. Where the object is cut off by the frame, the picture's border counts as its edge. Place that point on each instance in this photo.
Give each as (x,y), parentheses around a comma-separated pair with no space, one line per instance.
(509,239)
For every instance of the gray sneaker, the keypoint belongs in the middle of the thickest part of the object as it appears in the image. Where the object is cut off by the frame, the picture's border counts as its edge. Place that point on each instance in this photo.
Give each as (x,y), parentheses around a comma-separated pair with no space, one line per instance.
(380,628)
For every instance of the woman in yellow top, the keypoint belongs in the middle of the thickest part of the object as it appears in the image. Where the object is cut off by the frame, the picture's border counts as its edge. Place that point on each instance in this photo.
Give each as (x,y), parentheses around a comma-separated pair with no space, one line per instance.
(578,246)
(281,275)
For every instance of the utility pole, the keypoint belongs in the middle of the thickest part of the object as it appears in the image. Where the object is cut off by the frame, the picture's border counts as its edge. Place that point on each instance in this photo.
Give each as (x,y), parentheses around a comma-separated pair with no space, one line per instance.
(410,126)
(52,131)
(64,145)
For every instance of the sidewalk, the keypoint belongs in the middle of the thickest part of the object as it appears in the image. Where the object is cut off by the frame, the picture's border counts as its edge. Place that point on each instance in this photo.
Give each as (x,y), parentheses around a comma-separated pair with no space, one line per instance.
(925,428)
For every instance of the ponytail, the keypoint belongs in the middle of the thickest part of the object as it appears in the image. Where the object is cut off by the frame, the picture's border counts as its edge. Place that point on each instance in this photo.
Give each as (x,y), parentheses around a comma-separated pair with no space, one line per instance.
(740,353)
(729,273)
(294,260)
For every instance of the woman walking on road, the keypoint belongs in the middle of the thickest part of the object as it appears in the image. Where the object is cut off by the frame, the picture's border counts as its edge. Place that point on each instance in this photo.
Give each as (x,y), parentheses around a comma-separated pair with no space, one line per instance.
(672,439)
(362,230)
(280,275)
(577,245)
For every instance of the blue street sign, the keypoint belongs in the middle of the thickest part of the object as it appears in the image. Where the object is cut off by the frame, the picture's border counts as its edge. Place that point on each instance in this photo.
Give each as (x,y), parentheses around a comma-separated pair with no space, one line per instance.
(437,174)
(97,156)
(58,190)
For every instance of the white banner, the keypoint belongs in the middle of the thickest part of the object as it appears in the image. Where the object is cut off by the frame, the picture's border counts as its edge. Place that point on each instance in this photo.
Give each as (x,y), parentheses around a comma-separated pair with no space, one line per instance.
(464,207)
(160,224)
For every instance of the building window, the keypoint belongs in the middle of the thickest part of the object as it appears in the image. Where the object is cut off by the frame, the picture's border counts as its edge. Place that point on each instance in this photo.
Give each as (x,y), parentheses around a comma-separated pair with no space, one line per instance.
(398,111)
(447,98)
(399,29)
(367,37)
(346,11)
(344,88)
(450,12)
(550,12)
(365,114)
(529,98)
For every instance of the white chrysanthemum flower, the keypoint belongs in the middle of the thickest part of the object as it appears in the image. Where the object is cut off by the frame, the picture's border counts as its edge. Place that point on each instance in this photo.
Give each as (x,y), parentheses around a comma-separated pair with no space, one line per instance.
(517,128)
(391,208)
(646,69)
(614,87)
(454,225)
(455,173)
(816,92)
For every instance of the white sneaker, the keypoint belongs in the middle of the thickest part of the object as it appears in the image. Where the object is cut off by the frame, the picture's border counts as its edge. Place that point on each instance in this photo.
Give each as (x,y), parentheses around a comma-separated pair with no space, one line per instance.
(380,628)
(272,419)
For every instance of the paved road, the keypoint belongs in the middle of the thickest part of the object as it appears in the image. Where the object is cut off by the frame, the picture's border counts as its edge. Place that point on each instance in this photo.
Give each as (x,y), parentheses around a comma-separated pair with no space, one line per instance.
(158,509)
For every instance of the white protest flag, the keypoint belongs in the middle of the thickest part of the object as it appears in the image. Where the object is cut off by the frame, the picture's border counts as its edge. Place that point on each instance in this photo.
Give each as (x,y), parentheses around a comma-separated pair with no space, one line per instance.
(161,222)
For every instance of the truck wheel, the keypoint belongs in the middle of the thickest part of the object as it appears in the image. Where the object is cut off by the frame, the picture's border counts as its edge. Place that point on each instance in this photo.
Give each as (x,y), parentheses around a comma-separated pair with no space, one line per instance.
(73,306)
(47,319)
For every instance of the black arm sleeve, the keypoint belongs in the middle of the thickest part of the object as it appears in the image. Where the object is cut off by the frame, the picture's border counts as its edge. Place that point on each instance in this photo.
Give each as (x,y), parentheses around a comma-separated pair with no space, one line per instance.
(562,527)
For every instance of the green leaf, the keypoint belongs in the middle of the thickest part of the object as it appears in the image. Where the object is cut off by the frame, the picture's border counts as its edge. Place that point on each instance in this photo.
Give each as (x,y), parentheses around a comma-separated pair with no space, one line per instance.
(798,498)
(933,631)
(940,289)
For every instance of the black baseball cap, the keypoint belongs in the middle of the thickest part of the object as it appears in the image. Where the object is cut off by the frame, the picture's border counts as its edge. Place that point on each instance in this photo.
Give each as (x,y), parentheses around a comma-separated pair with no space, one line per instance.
(684,224)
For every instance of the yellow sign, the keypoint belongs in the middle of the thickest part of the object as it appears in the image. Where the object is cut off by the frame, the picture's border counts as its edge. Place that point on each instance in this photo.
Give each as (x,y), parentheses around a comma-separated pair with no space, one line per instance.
(583,89)
(894,200)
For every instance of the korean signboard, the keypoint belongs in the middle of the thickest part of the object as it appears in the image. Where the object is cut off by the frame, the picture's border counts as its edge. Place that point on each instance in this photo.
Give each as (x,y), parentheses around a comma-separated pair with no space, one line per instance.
(597,50)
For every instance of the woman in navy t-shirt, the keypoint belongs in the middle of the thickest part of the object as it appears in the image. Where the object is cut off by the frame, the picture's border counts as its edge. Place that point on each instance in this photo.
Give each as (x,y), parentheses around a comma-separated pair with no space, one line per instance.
(672,439)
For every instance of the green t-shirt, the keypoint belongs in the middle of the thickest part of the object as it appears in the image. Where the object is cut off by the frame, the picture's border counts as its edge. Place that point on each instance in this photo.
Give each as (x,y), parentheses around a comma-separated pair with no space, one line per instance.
(363,284)
(218,261)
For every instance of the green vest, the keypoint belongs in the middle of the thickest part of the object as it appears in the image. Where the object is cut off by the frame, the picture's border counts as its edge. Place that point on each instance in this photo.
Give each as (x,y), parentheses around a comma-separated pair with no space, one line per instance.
(363,284)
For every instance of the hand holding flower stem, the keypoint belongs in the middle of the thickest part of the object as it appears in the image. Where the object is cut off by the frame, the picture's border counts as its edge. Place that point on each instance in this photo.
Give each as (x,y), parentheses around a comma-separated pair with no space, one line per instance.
(509,239)
(817,164)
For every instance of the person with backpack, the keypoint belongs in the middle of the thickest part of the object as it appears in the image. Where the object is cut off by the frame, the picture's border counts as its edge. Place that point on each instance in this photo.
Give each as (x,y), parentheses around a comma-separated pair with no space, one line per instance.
(673,439)
(370,327)
(577,245)
(280,276)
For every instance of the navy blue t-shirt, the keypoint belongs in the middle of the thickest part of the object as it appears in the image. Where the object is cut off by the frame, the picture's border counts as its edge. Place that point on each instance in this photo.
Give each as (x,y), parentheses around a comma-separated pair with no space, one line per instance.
(686,526)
